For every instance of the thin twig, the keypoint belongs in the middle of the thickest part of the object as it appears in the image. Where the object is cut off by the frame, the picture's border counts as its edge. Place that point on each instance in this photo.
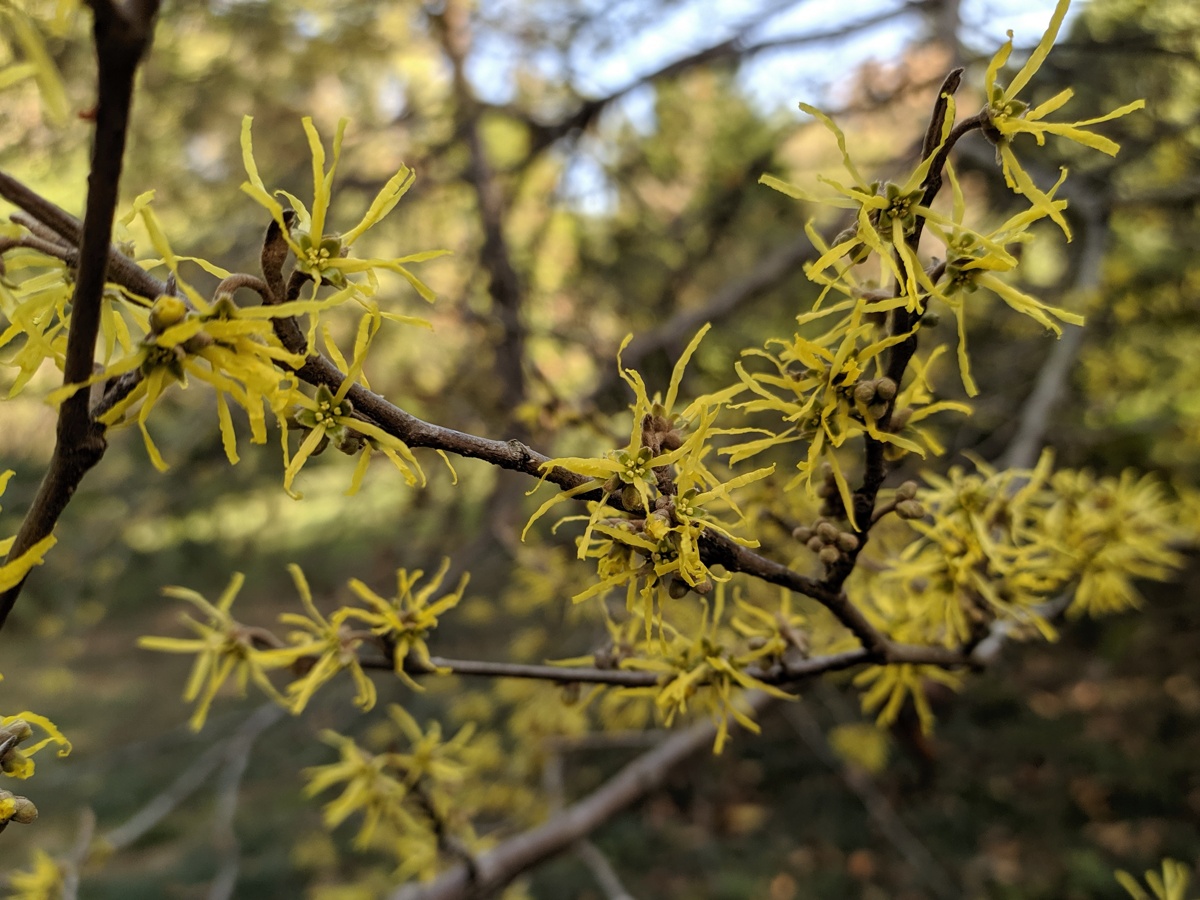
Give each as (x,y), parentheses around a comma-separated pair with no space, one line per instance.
(236,758)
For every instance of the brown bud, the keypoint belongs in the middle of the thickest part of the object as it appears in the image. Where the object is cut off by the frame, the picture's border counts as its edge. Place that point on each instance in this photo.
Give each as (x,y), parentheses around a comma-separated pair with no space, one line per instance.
(802,533)
(847,542)
(864,391)
(18,727)
(906,491)
(830,555)
(828,532)
(757,642)
(704,588)
(815,544)
(166,311)
(885,389)
(677,589)
(570,693)
(630,498)
(910,509)
(26,813)
(900,418)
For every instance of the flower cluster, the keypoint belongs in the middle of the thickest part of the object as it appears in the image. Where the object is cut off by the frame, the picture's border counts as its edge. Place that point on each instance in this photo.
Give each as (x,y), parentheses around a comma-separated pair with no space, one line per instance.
(16,760)
(411,801)
(316,650)
(1002,545)
(709,667)
(657,497)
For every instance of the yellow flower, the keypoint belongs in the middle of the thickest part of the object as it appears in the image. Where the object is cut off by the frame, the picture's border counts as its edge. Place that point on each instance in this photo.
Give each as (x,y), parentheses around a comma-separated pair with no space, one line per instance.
(334,646)
(1172,884)
(319,253)
(892,684)
(16,730)
(706,671)
(817,380)
(329,417)
(404,621)
(43,882)
(13,571)
(887,214)
(1006,116)
(972,261)
(223,648)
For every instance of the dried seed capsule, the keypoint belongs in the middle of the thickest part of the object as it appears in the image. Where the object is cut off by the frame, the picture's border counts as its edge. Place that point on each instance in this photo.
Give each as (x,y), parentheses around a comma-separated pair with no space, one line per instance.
(704,588)
(677,589)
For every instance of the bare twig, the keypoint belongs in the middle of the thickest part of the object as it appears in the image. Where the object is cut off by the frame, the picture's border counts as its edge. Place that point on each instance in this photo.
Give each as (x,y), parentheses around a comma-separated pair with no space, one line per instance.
(504,285)
(236,758)
(186,783)
(727,300)
(78,855)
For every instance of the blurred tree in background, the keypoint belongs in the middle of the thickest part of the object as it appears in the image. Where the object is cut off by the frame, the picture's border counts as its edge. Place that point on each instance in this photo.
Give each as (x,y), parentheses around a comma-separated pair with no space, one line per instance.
(592,169)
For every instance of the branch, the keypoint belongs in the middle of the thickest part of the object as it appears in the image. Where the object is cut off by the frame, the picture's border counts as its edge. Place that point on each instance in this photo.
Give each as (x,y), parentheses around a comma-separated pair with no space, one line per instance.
(236,758)
(735,48)
(783,673)
(121,36)
(187,782)
(503,283)
(503,863)
(727,300)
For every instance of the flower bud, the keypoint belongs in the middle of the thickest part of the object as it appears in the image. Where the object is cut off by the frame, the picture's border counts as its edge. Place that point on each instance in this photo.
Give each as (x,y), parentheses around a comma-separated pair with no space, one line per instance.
(704,588)
(802,533)
(677,589)
(26,813)
(165,312)
(906,491)
(570,693)
(910,509)
(830,555)
(847,542)
(828,532)
(18,727)
(631,499)
(885,389)
(815,544)
(864,392)
(900,418)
